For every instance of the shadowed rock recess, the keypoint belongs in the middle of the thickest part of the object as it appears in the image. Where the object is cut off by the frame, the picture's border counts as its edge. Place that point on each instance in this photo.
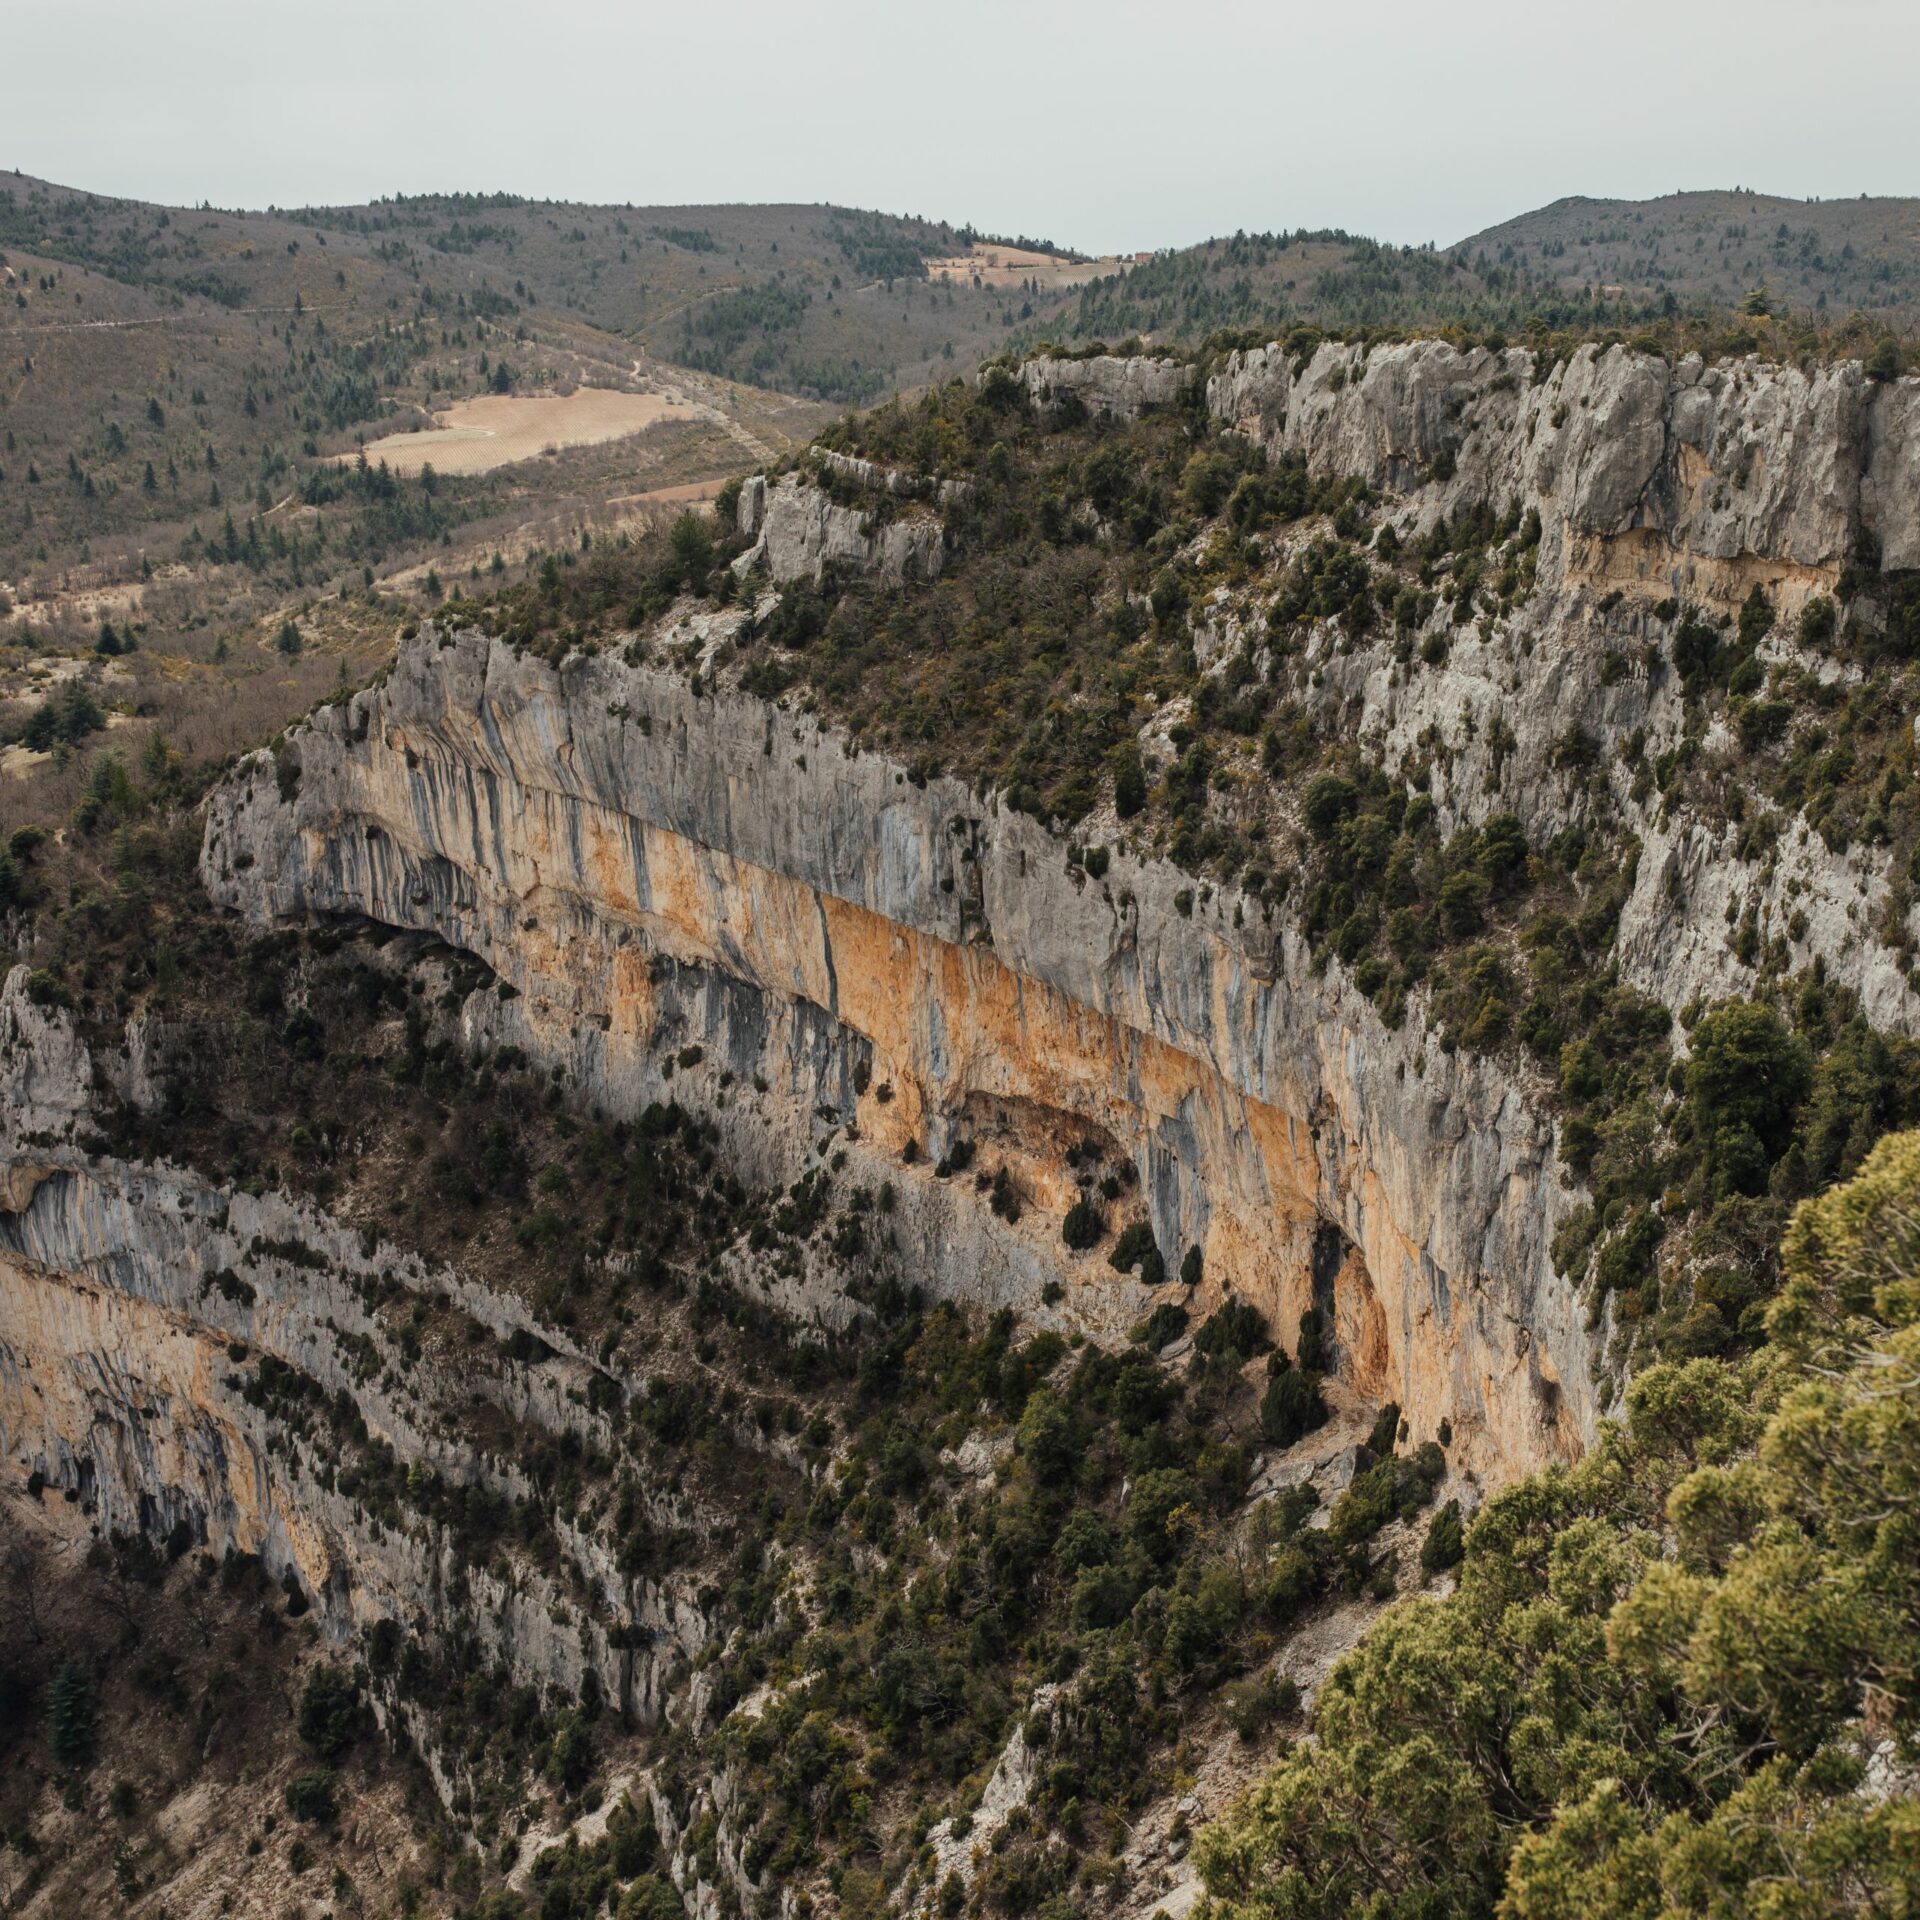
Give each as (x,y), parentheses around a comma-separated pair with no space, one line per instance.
(689,892)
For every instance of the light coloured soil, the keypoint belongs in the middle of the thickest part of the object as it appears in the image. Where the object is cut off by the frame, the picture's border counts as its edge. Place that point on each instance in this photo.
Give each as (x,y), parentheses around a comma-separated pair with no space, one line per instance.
(496,429)
(690,493)
(117,601)
(1013,266)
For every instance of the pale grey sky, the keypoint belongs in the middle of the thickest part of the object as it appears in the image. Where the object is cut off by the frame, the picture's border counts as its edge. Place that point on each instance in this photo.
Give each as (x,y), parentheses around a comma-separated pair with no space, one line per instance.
(1120,125)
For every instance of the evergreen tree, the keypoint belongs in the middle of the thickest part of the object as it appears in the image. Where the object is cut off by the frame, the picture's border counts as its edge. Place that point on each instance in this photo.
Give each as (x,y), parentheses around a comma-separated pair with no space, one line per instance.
(71,1715)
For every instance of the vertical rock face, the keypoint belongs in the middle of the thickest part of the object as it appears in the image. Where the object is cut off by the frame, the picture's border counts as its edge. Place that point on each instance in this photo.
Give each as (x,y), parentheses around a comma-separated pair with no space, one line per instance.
(656,872)
(709,897)
(1119,387)
(136,1304)
(1656,485)
(1667,476)
(798,532)
(713,894)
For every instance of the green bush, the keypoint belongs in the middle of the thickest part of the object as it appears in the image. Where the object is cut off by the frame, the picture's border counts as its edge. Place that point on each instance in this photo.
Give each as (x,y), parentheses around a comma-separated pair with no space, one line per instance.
(1291,1408)
(1253,1705)
(1102,1597)
(1048,1437)
(1746,1079)
(1083,1226)
(1165,1324)
(1312,1351)
(1445,1544)
(1084,1541)
(1234,1332)
(1330,799)
(331,1717)
(651,1897)
(1163,1504)
(311,1797)
(72,1715)
(1818,623)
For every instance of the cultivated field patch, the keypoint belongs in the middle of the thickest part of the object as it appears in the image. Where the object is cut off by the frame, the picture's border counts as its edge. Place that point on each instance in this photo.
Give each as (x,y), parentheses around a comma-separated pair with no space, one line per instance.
(496,429)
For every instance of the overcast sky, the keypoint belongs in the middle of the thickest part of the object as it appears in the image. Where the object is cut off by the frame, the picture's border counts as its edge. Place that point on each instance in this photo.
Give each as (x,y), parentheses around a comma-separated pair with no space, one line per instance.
(1118,125)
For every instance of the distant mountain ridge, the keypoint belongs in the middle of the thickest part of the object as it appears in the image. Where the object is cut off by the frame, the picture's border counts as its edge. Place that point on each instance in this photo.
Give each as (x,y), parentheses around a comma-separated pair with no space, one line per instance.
(832,303)
(1579,265)
(1816,256)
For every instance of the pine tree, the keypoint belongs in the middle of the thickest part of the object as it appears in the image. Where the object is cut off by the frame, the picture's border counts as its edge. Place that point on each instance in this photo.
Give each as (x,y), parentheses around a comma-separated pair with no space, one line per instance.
(71,1729)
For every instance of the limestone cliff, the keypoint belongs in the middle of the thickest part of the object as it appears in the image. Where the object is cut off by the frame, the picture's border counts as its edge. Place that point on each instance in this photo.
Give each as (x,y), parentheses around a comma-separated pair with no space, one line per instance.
(688,892)
(1652,475)
(1116,386)
(1656,486)
(665,876)
(136,1304)
(798,532)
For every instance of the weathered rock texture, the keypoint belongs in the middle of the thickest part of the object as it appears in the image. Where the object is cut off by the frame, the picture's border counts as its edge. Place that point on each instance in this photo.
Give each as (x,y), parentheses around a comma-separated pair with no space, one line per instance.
(893,480)
(134,1303)
(1655,484)
(1654,476)
(654,871)
(1115,386)
(712,898)
(828,947)
(798,532)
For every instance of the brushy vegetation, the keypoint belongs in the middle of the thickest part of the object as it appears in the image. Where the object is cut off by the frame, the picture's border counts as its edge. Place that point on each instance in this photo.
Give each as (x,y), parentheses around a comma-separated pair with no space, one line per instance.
(1677,1679)
(1068,657)
(1663,1674)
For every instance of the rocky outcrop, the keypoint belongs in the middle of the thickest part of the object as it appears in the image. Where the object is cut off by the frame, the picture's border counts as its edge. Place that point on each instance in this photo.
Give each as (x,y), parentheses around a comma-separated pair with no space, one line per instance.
(798,532)
(1009,1787)
(668,877)
(1656,485)
(1657,477)
(1112,386)
(912,486)
(136,1305)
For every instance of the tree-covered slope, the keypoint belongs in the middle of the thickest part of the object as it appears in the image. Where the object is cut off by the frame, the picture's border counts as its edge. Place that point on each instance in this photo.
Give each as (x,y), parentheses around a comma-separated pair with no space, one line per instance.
(1615,804)
(1679,1679)
(1713,259)
(1808,257)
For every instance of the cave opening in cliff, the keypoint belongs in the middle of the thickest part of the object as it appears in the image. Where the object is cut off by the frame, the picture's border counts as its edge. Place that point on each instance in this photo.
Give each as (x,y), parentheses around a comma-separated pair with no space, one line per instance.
(1330,1250)
(1353,1324)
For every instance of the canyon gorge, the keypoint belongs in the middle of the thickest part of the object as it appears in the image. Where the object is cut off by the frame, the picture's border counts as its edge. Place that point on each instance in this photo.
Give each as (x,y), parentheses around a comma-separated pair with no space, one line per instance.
(1037,1057)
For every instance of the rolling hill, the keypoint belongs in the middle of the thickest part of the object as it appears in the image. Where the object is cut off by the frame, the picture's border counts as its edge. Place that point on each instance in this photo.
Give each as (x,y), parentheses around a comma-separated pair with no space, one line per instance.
(184,391)
(1826,257)
(1579,265)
